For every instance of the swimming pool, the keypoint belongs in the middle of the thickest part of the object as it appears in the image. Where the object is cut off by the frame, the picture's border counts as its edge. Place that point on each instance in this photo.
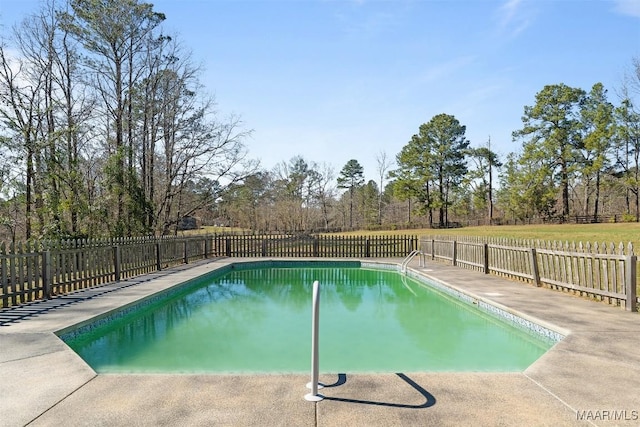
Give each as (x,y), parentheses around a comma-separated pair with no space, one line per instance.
(255,318)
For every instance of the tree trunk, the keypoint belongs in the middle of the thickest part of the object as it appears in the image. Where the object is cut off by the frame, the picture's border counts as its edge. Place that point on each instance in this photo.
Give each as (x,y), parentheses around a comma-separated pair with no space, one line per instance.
(564,177)
(586,197)
(596,201)
(351,207)
(490,191)
(29,190)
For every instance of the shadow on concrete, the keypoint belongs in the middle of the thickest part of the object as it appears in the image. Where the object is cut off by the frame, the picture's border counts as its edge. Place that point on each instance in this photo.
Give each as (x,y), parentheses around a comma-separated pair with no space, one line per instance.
(18,313)
(342,379)
(430,400)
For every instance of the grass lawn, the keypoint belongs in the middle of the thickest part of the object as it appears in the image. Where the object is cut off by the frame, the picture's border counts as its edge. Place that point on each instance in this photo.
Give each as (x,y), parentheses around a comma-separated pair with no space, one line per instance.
(607,233)
(602,233)
(211,229)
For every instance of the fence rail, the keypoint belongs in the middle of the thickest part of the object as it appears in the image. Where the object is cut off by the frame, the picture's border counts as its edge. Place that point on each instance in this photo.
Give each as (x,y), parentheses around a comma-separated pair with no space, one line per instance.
(42,270)
(602,271)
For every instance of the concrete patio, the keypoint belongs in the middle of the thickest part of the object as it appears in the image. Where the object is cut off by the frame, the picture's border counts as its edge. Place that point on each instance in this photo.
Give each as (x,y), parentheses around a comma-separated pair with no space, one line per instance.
(592,377)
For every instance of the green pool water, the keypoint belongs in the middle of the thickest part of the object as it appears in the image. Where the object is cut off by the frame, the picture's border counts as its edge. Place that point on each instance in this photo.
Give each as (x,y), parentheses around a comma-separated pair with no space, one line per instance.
(259,321)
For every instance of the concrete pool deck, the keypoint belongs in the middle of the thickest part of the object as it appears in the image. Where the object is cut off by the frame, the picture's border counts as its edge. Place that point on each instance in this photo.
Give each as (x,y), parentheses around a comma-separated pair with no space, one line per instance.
(592,377)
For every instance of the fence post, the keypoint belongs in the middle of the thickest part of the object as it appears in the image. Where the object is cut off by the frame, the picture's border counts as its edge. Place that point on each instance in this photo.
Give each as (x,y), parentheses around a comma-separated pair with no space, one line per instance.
(264,247)
(433,249)
(227,247)
(367,248)
(116,262)
(316,246)
(46,273)
(4,277)
(486,258)
(631,278)
(455,252)
(158,263)
(207,247)
(534,267)
(185,252)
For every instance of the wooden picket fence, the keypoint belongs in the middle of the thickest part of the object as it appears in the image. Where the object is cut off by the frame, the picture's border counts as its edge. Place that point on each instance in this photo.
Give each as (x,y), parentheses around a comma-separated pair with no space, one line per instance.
(602,271)
(45,269)
(315,246)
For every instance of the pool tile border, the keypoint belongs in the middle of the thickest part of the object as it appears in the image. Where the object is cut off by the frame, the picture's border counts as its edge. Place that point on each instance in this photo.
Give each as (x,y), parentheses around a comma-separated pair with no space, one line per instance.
(482,304)
(73,331)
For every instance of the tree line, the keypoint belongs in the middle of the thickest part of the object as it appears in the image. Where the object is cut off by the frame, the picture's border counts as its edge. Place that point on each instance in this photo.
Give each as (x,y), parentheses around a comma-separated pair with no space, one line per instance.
(106,130)
(579,156)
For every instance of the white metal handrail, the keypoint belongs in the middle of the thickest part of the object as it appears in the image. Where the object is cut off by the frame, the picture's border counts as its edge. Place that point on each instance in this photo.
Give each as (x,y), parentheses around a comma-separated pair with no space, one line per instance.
(407,260)
(314,396)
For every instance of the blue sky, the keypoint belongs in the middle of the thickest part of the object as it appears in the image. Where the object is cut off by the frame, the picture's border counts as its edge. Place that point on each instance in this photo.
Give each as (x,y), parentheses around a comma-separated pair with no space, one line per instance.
(334,80)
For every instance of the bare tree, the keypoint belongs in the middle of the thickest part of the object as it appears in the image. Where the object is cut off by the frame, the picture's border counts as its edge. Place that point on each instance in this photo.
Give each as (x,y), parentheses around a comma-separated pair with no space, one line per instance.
(324,190)
(384,164)
(114,35)
(196,144)
(19,99)
(53,59)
